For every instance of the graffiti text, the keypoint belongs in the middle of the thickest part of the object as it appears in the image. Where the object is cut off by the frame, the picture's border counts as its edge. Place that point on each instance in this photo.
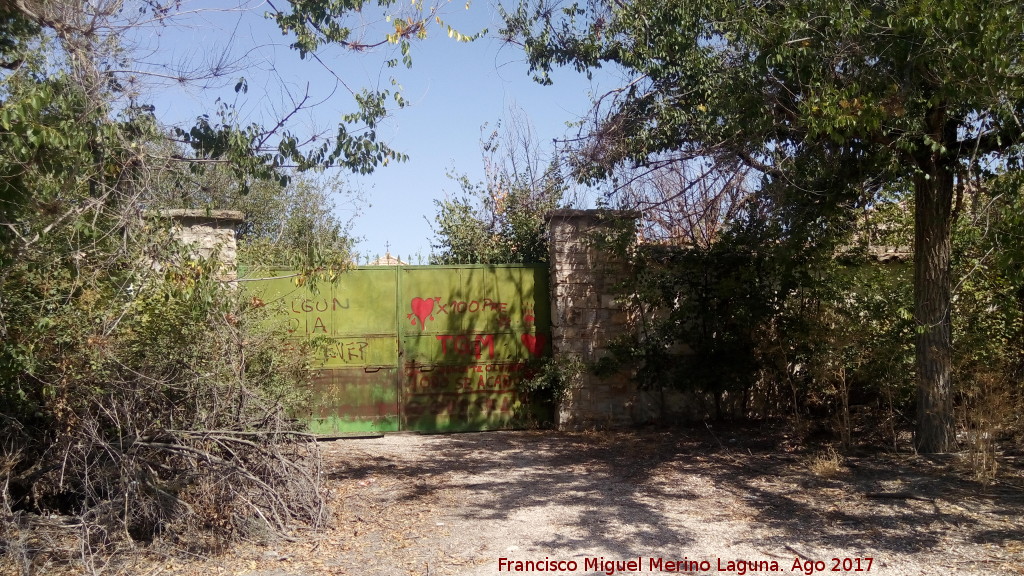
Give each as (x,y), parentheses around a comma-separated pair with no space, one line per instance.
(354,351)
(462,344)
(307,305)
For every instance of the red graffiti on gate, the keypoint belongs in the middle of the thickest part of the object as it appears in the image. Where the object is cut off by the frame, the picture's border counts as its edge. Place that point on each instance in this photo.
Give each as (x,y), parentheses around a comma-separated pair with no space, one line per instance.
(462,344)
(423,309)
(534,343)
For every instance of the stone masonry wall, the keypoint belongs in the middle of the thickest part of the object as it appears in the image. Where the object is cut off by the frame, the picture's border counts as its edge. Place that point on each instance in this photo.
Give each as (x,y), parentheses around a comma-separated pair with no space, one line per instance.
(209,232)
(586,316)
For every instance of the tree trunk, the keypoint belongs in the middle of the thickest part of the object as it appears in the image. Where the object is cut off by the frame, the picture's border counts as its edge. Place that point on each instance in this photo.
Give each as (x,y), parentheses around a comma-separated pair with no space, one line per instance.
(933,226)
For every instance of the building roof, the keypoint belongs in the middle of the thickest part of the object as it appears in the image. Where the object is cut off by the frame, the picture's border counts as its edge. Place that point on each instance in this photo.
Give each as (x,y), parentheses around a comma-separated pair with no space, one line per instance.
(388,260)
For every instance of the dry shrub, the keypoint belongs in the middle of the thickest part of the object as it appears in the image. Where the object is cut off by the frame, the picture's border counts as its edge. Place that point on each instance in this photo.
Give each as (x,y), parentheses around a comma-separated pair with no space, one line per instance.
(173,424)
(827,464)
(990,415)
(13,539)
(197,490)
(255,484)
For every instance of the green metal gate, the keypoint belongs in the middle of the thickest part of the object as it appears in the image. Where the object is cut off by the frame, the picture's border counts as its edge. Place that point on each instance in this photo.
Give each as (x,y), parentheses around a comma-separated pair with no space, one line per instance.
(425,348)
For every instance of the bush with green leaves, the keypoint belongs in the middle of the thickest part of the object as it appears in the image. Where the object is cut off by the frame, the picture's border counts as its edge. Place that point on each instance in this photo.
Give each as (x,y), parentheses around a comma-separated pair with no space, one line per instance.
(500,220)
(989,322)
(149,403)
(767,324)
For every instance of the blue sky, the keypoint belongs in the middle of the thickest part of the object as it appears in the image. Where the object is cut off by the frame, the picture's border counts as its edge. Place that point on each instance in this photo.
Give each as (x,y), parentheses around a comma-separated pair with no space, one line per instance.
(453,89)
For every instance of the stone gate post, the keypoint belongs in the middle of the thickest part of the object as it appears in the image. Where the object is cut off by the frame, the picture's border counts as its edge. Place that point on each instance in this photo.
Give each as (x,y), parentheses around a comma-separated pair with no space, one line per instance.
(587,314)
(208,232)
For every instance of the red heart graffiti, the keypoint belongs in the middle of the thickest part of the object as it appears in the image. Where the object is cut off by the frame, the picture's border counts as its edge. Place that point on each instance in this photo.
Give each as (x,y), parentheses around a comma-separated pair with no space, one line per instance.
(422,309)
(535,344)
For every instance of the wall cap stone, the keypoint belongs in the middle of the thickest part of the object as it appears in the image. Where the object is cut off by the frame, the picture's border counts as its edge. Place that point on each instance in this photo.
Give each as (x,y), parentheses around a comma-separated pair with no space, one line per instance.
(571,213)
(200,214)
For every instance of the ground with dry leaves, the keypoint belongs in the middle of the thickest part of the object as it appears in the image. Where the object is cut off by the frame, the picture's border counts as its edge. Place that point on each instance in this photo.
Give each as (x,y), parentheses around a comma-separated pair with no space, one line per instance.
(456,504)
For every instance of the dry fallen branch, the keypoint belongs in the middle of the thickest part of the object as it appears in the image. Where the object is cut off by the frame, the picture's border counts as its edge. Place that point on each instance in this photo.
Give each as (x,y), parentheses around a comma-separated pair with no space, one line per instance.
(898,496)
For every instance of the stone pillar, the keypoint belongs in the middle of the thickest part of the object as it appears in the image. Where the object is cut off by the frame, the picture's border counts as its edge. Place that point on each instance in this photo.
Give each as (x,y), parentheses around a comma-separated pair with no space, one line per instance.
(209,232)
(587,315)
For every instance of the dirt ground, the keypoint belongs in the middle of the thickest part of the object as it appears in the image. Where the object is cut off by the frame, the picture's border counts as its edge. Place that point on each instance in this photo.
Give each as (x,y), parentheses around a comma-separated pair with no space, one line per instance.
(698,501)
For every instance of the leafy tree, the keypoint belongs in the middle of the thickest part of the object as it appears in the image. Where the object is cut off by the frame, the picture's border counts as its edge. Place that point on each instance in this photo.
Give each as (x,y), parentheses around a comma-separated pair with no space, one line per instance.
(829,101)
(501,220)
(297,227)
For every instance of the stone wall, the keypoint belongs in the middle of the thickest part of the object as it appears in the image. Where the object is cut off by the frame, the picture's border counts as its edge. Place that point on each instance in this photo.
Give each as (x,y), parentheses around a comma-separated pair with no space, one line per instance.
(587,315)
